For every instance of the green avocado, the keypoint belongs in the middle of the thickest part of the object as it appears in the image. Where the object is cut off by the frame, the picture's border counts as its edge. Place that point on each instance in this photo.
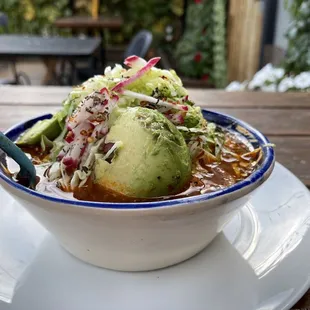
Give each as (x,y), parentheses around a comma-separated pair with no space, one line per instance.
(153,159)
(48,127)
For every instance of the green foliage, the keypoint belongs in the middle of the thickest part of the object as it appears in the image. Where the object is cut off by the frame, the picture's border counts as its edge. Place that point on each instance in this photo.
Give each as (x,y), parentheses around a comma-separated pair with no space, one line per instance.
(33,16)
(194,51)
(37,16)
(297,59)
(219,44)
(154,15)
(201,53)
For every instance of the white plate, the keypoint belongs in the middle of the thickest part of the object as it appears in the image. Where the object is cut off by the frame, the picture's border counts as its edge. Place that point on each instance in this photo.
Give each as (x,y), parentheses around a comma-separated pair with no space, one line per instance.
(260,262)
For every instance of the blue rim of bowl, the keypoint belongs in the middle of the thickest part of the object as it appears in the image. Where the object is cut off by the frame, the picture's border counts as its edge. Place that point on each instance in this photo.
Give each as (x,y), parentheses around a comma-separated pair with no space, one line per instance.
(225,120)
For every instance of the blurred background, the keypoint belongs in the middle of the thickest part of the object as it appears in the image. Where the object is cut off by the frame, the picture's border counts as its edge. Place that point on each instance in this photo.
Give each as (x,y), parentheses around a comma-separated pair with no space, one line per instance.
(210,43)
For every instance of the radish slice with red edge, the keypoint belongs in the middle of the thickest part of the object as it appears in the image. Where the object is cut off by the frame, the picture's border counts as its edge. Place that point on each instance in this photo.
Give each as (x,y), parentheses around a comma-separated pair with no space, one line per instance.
(135,61)
(150,64)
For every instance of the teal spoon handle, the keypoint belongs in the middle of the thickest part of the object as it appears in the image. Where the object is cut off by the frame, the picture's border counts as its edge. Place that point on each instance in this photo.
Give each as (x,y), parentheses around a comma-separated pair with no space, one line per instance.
(27,169)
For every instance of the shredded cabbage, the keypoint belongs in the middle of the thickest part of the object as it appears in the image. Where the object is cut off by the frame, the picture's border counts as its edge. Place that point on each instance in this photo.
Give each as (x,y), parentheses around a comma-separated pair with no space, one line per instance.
(161,84)
(158,83)
(194,118)
(80,92)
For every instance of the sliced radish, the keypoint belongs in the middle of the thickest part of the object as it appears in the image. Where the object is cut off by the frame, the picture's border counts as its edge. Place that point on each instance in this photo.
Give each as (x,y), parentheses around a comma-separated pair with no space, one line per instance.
(150,64)
(70,162)
(89,107)
(135,61)
(70,137)
(99,132)
(81,133)
(104,90)
(177,118)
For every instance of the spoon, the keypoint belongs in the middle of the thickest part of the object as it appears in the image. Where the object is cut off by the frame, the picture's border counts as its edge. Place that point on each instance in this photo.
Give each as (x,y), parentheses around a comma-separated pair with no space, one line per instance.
(27,170)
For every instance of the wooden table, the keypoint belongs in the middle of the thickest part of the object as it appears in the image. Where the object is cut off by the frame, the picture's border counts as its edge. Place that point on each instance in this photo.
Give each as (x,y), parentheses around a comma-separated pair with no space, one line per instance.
(91,24)
(88,22)
(284,118)
(13,47)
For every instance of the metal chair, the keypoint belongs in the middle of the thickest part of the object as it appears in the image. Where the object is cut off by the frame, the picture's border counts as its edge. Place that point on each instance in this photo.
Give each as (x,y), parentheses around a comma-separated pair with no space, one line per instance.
(4,21)
(20,78)
(139,45)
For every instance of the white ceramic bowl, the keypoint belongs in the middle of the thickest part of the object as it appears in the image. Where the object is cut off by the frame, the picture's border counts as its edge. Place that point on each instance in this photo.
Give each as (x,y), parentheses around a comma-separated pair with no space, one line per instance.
(142,236)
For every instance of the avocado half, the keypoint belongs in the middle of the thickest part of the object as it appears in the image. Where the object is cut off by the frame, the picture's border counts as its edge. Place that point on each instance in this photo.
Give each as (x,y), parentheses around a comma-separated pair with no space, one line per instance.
(153,159)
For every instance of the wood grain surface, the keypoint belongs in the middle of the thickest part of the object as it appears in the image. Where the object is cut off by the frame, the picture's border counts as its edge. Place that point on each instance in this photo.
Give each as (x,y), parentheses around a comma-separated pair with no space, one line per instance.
(284,118)
(244,37)
(88,22)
